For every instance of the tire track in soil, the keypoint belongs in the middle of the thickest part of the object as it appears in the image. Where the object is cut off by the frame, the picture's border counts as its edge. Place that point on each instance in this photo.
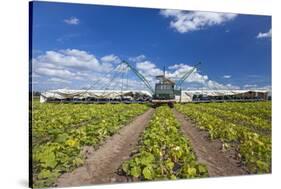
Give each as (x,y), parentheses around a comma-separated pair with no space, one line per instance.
(209,152)
(101,165)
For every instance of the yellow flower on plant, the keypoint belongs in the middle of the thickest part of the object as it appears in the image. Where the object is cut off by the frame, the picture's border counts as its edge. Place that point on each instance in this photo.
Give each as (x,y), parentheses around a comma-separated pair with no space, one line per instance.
(71,142)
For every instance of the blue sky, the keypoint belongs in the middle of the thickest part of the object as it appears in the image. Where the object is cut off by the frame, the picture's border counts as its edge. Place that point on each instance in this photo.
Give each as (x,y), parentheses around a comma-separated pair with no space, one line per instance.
(76,45)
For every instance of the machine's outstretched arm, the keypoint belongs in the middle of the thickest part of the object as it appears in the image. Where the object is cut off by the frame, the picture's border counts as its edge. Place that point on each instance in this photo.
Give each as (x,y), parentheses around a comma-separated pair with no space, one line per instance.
(140,76)
(186,75)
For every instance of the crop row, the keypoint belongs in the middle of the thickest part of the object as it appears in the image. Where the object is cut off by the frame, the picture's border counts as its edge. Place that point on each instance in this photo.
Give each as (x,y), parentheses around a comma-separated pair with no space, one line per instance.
(49,120)
(254,149)
(253,122)
(64,152)
(261,110)
(163,153)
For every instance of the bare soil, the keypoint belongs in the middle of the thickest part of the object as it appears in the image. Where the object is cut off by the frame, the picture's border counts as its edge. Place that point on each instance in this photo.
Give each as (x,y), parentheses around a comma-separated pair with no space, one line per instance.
(209,152)
(101,165)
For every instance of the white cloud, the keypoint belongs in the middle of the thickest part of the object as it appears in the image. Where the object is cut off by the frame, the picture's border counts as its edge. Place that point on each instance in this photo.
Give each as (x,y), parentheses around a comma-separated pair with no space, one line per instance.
(146,65)
(79,54)
(81,68)
(68,66)
(215,85)
(227,76)
(181,69)
(177,66)
(55,73)
(73,68)
(105,82)
(255,86)
(139,58)
(185,21)
(148,68)
(72,21)
(250,86)
(58,80)
(176,71)
(264,35)
(111,59)
(122,68)
(267,87)
(197,78)
(230,86)
(71,58)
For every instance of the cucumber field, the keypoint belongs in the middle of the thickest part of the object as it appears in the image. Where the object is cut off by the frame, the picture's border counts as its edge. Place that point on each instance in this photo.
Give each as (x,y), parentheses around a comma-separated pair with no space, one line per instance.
(82,144)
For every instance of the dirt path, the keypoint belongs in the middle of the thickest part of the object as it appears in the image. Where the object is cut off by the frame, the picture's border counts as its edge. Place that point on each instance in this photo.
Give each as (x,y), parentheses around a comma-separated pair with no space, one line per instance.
(101,165)
(209,152)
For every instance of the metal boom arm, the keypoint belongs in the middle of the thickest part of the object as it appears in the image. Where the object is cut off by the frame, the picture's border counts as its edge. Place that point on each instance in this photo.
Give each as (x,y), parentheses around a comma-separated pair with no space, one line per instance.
(186,75)
(140,76)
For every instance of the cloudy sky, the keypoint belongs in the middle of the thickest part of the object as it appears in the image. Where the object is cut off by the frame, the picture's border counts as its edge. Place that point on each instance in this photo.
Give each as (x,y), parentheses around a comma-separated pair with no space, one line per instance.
(81,46)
